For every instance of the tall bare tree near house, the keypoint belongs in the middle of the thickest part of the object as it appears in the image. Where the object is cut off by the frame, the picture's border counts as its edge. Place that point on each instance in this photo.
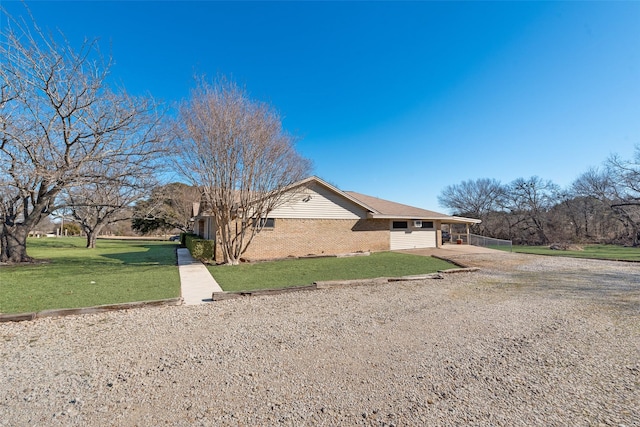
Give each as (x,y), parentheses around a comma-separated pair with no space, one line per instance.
(58,118)
(235,149)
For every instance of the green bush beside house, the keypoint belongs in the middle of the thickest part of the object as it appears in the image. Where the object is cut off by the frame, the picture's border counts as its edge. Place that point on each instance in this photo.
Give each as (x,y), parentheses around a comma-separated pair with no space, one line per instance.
(199,248)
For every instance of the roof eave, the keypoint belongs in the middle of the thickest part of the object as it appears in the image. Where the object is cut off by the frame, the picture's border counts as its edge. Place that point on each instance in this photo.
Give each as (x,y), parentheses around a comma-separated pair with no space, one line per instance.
(463,220)
(390,216)
(444,219)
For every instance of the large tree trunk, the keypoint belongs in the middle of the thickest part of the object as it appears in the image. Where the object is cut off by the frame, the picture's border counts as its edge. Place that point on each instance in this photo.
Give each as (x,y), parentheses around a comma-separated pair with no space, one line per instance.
(91,240)
(92,235)
(228,251)
(14,244)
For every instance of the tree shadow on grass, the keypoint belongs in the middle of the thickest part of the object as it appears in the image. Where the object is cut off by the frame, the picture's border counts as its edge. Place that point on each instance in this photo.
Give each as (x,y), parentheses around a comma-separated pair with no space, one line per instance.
(152,255)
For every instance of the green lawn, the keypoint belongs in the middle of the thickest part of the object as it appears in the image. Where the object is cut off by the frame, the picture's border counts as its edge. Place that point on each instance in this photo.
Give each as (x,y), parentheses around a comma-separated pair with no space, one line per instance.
(296,272)
(506,248)
(116,271)
(590,251)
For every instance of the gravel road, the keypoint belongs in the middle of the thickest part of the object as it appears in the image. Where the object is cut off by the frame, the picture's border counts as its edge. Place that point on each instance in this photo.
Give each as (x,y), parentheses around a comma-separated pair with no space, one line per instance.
(528,340)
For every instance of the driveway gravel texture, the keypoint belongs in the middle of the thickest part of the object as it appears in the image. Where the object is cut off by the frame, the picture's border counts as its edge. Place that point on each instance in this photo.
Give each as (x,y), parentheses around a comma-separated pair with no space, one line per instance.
(527,340)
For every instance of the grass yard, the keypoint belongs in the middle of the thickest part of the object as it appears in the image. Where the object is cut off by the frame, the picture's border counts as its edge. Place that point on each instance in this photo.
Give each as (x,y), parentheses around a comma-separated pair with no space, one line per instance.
(611,252)
(506,248)
(116,271)
(297,272)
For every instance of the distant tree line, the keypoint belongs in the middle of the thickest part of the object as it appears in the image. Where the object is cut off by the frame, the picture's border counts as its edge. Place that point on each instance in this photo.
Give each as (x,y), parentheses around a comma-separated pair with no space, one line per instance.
(601,206)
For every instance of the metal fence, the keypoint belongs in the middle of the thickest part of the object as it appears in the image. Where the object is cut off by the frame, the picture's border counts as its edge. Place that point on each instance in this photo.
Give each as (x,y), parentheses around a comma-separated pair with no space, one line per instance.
(490,242)
(458,237)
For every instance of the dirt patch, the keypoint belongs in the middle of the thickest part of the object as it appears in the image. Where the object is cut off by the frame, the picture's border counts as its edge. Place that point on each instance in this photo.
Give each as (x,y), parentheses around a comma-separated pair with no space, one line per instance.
(565,247)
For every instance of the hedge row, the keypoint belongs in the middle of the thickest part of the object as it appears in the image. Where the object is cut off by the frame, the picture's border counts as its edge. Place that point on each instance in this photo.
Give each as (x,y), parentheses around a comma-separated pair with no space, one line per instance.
(199,248)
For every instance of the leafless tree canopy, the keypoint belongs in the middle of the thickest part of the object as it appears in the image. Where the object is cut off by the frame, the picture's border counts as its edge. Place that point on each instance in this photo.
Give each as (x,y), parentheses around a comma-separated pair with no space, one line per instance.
(108,198)
(235,149)
(625,174)
(601,206)
(529,202)
(58,121)
(474,199)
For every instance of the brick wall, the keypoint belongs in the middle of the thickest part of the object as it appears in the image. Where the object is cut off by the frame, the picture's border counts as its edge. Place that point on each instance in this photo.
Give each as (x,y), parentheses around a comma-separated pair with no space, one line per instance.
(300,237)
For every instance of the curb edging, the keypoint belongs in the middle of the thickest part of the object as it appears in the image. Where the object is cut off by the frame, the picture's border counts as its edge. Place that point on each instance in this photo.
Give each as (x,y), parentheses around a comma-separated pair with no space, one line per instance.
(58,312)
(225,295)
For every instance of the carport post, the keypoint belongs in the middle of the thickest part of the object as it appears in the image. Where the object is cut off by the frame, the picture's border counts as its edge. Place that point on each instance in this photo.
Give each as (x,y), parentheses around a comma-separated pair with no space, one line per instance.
(468,235)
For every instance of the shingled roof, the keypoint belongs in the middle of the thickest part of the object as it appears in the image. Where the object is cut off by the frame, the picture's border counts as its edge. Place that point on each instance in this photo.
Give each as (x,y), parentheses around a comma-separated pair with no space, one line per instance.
(388,209)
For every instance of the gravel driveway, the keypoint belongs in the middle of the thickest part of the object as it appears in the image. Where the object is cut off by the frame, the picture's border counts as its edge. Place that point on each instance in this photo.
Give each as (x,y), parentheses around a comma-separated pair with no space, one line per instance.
(528,340)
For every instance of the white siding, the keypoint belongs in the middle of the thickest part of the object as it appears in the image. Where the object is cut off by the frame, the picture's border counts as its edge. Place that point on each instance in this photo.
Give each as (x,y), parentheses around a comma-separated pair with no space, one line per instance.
(411,239)
(317,202)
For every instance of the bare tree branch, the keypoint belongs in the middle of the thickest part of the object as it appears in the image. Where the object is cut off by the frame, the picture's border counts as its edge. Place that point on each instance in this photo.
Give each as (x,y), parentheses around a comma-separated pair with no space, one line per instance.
(236,151)
(58,120)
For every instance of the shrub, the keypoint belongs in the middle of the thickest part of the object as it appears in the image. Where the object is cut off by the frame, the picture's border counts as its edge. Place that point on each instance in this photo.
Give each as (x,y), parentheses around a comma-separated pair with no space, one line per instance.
(72,229)
(199,248)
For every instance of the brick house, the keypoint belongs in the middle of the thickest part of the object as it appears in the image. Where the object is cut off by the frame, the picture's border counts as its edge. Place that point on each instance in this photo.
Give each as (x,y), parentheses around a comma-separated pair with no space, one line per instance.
(324,220)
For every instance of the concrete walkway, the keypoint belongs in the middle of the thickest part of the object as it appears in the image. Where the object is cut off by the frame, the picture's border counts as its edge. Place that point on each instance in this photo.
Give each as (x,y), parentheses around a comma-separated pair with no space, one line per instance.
(196,282)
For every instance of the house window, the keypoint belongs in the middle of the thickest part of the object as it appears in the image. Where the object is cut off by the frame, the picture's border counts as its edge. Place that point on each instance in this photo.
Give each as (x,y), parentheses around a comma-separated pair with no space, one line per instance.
(265,223)
(400,224)
(427,224)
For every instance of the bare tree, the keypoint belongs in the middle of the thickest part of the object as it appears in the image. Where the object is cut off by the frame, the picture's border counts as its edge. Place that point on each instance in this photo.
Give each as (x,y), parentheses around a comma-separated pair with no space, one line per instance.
(626,173)
(476,199)
(594,191)
(168,207)
(616,188)
(58,119)
(236,151)
(529,202)
(576,217)
(109,197)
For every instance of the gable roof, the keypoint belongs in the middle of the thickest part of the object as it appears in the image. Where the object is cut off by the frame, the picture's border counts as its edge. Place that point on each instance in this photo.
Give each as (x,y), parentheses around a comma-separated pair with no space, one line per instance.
(386,209)
(377,208)
(343,194)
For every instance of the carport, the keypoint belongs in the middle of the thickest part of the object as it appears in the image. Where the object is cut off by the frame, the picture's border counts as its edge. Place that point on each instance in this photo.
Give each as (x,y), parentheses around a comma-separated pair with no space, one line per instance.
(459,229)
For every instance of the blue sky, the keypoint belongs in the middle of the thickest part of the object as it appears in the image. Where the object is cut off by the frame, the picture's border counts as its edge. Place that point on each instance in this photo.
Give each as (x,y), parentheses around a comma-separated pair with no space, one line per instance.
(396,99)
